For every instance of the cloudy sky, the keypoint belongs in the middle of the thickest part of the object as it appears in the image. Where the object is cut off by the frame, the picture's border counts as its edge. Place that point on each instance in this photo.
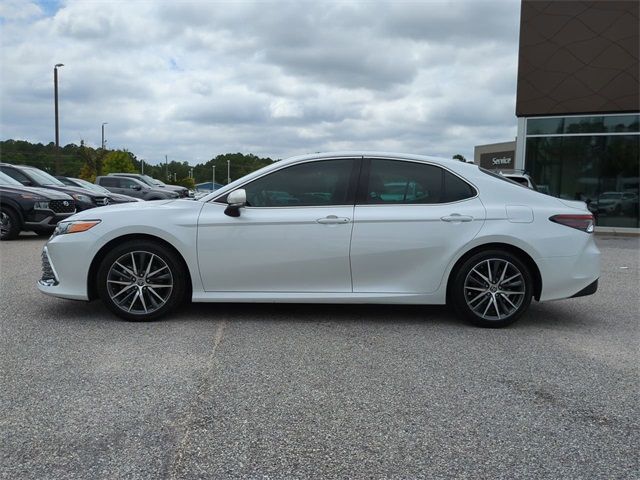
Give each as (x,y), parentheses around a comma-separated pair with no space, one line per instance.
(195,79)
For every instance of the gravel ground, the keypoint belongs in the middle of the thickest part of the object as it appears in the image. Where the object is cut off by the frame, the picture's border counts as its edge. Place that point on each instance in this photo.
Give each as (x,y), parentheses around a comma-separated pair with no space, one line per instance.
(309,391)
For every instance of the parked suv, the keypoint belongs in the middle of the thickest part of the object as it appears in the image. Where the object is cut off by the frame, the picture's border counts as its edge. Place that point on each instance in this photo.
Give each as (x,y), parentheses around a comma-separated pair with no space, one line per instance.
(29,208)
(154,183)
(113,197)
(134,188)
(34,177)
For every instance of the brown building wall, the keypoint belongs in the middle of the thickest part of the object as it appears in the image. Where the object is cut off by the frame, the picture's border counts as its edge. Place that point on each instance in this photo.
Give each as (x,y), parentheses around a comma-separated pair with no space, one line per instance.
(578,57)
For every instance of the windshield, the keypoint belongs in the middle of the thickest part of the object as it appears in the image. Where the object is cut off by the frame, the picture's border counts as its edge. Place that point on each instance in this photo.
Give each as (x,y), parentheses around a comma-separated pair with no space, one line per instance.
(7,180)
(90,186)
(152,182)
(43,178)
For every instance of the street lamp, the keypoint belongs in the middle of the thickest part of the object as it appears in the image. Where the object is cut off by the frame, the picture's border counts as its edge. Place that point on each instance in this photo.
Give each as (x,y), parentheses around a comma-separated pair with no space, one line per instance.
(103,124)
(55,100)
(228,171)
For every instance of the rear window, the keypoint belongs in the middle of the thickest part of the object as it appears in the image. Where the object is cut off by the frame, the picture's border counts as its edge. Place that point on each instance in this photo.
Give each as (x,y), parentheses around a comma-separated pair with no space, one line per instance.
(109,182)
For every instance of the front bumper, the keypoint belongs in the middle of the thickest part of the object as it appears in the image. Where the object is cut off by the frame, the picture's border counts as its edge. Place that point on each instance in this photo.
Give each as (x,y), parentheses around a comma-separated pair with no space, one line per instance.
(61,277)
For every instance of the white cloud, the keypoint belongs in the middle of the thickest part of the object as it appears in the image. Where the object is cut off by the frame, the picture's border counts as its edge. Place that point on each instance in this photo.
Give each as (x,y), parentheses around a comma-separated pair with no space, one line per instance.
(195,79)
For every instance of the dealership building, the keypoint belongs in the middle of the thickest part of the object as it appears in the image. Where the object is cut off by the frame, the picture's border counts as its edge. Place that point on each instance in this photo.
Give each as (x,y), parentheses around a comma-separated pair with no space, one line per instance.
(578,106)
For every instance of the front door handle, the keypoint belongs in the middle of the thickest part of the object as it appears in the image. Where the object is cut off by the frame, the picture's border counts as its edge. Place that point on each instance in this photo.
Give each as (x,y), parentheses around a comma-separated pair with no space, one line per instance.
(332,220)
(456,217)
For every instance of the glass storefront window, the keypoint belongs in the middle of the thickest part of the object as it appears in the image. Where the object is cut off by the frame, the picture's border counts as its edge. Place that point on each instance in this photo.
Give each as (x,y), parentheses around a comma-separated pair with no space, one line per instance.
(603,171)
(569,125)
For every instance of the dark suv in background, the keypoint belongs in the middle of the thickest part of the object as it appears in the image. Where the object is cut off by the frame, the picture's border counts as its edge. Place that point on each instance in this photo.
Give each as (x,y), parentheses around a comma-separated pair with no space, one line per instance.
(182,192)
(34,177)
(134,188)
(30,208)
(113,197)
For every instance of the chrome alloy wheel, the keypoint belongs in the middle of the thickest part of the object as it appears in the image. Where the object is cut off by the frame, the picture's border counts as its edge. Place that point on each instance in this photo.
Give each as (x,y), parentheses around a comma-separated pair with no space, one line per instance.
(139,282)
(5,224)
(494,289)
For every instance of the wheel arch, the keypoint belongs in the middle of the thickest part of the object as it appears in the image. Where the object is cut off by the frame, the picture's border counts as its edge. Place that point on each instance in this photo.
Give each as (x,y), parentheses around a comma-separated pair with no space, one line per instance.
(518,252)
(92,287)
(6,203)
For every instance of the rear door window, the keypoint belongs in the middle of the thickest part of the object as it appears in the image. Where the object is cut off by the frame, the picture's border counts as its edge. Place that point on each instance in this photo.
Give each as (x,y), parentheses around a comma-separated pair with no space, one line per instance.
(402,182)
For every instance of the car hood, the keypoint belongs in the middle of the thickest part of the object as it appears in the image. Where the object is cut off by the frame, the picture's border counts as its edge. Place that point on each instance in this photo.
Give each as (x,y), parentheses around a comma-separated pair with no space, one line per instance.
(175,188)
(75,190)
(123,198)
(43,192)
(121,208)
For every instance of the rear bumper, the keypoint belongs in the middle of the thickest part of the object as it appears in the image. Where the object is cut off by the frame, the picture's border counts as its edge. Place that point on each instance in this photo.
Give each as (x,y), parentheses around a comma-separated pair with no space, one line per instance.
(588,290)
(567,277)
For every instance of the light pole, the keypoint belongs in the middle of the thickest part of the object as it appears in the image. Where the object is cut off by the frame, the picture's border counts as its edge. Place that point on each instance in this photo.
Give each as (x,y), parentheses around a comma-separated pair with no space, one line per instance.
(142,166)
(228,171)
(213,179)
(55,100)
(103,124)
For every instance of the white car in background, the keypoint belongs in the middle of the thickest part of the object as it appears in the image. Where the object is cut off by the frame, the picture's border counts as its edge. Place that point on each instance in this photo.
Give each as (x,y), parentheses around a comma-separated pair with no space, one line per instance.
(359,227)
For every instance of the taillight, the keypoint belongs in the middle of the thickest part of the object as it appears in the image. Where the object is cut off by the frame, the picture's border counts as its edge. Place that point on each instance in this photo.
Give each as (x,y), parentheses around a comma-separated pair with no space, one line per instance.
(585,222)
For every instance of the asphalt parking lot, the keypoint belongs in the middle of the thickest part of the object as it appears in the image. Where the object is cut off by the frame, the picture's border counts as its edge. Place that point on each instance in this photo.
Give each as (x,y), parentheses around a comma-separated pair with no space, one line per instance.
(304,391)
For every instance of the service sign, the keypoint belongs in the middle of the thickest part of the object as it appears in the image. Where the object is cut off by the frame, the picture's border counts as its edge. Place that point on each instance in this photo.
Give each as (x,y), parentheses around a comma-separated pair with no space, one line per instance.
(498,160)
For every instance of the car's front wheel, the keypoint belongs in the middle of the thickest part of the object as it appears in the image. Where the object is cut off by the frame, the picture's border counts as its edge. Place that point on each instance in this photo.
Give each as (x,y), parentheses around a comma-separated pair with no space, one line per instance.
(141,280)
(9,224)
(492,289)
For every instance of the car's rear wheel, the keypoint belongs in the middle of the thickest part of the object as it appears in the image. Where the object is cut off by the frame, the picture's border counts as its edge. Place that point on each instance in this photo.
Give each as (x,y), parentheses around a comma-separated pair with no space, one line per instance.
(492,289)
(141,280)
(9,224)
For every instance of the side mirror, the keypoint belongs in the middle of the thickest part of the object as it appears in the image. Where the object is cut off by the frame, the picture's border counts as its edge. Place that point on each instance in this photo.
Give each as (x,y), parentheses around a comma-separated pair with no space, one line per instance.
(236,200)
(137,187)
(27,183)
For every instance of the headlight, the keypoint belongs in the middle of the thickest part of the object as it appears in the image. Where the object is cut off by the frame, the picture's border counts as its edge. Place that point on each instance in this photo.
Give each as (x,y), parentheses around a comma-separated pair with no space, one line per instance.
(81,198)
(75,227)
(29,196)
(41,206)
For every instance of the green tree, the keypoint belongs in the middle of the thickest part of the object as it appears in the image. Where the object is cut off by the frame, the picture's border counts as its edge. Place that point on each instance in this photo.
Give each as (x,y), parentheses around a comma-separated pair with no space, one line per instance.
(118,162)
(457,156)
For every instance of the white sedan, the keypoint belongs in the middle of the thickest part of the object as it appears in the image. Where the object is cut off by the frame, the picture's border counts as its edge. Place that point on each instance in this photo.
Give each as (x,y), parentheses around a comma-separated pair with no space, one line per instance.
(334,228)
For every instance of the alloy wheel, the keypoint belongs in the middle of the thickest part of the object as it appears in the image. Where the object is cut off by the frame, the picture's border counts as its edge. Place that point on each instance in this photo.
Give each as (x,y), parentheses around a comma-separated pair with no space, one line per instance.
(5,224)
(494,289)
(139,282)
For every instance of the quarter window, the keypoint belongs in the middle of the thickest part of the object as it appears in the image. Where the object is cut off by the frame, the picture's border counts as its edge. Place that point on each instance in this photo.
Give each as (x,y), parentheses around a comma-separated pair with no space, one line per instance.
(400,182)
(309,184)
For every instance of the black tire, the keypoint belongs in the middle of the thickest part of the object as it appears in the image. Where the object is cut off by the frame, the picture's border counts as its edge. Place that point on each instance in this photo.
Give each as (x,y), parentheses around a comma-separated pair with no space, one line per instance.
(9,224)
(119,292)
(491,304)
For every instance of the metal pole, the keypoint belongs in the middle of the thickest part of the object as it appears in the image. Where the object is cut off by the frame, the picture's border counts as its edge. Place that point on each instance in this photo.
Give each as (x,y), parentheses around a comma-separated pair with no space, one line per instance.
(142,163)
(174,176)
(55,101)
(103,124)
(213,179)
(228,171)
(166,163)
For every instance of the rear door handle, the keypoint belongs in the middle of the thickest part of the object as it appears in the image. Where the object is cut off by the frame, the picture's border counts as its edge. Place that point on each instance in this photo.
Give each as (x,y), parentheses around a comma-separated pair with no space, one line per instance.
(332,220)
(456,217)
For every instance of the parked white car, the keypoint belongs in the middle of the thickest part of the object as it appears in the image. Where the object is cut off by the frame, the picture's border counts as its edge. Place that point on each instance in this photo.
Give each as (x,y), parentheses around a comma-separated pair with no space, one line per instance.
(334,228)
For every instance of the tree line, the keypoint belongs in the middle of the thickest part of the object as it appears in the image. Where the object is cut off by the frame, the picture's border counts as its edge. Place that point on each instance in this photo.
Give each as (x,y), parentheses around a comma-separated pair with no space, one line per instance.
(81,161)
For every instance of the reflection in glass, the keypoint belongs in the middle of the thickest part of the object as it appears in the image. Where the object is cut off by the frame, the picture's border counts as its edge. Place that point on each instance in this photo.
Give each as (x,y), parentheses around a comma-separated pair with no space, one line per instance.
(603,171)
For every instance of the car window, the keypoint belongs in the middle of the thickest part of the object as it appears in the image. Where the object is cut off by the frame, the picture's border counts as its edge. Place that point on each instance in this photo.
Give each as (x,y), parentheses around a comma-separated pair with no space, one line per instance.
(309,184)
(128,183)
(16,175)
(7,180)
(456,189)
(43,177)
(109,182)
(401,182)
